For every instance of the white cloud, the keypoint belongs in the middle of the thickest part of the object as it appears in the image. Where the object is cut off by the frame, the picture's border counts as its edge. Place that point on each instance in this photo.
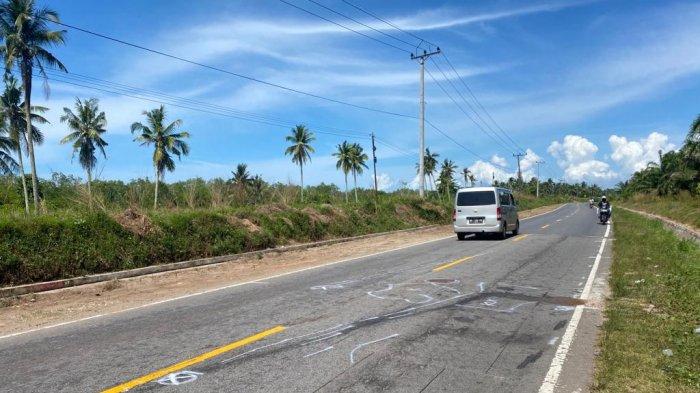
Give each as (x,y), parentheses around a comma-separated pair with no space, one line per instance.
(498,160)
(576,156)
(484,172)
(384,182)
(634,155)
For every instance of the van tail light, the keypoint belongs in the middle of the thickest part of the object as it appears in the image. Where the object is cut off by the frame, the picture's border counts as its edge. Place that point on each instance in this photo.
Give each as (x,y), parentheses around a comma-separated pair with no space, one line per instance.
(498,213)
(454,215)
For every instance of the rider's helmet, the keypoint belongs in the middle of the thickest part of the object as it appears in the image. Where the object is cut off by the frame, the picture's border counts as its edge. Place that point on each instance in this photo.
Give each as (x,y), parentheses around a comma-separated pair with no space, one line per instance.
(604,199)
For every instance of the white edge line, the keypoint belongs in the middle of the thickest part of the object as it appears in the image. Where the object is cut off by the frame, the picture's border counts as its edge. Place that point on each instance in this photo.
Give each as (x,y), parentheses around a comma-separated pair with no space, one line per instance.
(221,288)
(550,380)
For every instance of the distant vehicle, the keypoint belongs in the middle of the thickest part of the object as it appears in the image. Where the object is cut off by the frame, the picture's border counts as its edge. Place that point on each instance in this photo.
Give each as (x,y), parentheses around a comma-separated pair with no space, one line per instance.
(482,210)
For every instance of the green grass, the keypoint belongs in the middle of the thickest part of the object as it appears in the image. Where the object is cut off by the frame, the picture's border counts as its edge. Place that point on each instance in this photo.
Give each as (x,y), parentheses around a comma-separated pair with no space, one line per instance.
(69,244)
(683,208)
(655,305)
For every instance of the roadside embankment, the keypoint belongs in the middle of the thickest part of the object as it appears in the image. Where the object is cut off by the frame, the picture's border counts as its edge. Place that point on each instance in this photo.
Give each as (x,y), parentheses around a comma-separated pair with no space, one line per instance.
(69,245)
(649,341)
(683,208)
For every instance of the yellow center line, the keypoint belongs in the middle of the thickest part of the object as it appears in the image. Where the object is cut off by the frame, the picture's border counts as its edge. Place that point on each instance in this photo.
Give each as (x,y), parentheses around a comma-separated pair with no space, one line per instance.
(453,263)
(521,237)
(545,226)
(189,362)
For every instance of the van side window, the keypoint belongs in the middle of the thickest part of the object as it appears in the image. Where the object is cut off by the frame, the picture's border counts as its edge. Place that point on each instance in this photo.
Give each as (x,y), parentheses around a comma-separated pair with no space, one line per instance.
(503,197)
(512,200)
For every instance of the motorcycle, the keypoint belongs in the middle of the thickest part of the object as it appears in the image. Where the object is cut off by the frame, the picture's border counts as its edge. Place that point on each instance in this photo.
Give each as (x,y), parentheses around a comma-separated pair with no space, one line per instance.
(590,205)
(604,215)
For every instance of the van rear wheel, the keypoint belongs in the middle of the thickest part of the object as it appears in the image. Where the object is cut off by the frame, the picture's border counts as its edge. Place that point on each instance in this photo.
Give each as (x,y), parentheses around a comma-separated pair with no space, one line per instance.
(517,228)
(504,231)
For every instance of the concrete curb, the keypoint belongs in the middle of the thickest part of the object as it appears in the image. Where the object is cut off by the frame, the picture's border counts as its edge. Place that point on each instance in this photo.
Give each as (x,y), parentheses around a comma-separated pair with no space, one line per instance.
(94,278)
(682,229)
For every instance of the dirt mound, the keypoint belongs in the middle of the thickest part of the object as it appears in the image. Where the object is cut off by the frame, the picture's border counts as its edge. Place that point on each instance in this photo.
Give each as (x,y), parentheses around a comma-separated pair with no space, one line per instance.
(334,211)
(316,216)
(244,222)
(136,222)
(271,208)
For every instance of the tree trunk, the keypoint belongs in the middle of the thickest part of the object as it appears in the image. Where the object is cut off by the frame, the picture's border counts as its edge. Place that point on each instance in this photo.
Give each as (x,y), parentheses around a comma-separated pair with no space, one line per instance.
(89,186)
(21,172)
(346,188)
(301,170)
(354,178)
(155,198)
(27,84)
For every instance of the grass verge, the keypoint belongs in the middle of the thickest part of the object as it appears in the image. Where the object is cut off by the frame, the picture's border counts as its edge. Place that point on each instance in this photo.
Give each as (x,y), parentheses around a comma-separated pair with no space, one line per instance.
(655,305)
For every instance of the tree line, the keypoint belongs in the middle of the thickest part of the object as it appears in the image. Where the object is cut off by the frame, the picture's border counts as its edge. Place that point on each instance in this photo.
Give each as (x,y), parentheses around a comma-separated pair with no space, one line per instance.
(677,171)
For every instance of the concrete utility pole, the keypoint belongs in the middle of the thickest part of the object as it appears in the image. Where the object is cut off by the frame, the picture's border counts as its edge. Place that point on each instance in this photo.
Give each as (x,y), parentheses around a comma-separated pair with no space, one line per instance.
(466,173)
(538,177)
(374,161)
(520,173)
(421,118)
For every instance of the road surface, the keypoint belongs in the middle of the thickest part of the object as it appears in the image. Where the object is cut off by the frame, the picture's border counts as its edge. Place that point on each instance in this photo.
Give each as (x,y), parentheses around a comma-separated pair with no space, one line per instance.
(443,316)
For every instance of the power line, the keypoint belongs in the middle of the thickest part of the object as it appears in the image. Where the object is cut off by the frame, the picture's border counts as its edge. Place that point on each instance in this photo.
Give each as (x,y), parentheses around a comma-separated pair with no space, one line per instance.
(502,142)
(463,111)
(343,26)
(471,93)
(138,93)
(389,23)
(446,135)
(250,78)
(361,23)
(479,103)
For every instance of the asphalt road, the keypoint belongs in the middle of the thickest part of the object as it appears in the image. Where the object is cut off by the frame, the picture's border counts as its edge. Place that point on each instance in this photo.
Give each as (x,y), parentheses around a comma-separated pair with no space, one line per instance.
(447,315)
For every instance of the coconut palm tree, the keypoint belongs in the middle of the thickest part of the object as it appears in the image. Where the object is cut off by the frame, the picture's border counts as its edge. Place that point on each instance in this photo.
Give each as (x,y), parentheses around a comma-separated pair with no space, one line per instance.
(87,126)
(300,150)
(358,161)
(344,163)
(429,166)
(166,142)
(26,35)
(8,164)
(12,110)
(446,178)
(241,177)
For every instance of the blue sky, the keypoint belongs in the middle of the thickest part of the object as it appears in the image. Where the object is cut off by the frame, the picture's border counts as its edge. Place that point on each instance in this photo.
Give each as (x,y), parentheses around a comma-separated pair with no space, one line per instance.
(593,88)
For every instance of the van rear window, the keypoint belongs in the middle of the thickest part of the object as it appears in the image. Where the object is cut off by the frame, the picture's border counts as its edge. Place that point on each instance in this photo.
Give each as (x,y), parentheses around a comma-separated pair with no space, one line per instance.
(476,198)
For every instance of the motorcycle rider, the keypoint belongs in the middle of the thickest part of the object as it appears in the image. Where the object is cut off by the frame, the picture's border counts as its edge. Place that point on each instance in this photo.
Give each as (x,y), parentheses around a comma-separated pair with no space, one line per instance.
(604,204)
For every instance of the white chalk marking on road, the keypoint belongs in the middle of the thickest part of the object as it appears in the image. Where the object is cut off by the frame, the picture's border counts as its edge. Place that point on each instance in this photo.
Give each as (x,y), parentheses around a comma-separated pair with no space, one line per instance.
(179,378)
(352,353)
(552,341)
(579,284)
(317,352)
(481,287)
(564,308)
(335,334)
(550,380)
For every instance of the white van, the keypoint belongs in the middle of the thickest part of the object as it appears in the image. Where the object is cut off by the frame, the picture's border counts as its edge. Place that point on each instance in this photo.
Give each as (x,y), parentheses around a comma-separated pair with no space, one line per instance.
(485,210)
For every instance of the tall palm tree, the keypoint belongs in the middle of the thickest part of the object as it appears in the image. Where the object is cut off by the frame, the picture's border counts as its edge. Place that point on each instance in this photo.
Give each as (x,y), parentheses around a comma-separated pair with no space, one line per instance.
(358,161)
(429,166)
(166,142)
(446,177)
(241,177)
(344,163)
(87,127)
(8,164)
(23,27)
(12,109)
(300,150)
